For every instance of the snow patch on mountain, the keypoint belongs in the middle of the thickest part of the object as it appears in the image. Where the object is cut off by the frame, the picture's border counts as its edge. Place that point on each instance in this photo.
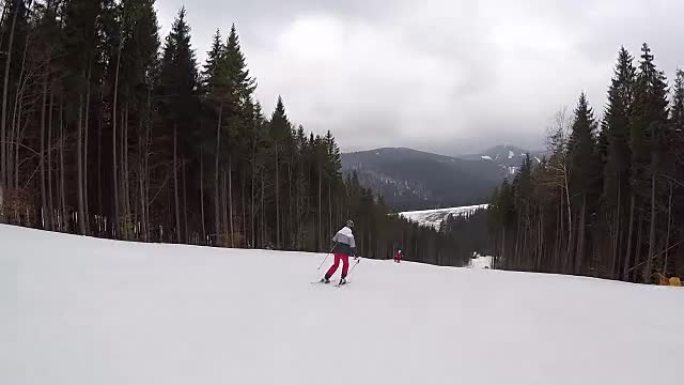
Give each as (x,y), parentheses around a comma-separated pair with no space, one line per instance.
(433,218)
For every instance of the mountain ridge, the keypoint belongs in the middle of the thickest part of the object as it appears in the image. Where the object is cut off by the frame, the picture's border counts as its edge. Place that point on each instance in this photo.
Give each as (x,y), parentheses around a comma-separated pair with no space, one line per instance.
(410,179)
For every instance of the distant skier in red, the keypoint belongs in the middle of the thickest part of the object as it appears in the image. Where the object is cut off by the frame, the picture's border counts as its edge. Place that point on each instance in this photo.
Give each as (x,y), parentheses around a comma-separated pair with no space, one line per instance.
(344,247)
(397,256)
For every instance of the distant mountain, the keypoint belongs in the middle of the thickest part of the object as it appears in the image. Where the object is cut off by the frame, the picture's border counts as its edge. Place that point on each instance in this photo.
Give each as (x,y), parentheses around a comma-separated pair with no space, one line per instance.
(409,179)
(507,158)
(413,180)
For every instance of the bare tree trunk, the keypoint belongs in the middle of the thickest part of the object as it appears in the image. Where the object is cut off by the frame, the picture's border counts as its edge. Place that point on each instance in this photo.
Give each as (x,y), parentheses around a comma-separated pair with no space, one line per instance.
(669,224)
(637,253)
(616,236)
(86,125)
(263,212)
(277,194)
(18,128)
(290,205)
(252,210)
(628,257)
(579,259)
(559,234)
(4,148)
(243,207)
(569,208)
(121,167)
(64,221)
(17,139)
(126,175)
(648,269)
(79,150)
(141,180)
(175,183)
(100,208)
(217,216)
(540,243)
(224,201)
(230,199)
(204,229)
(51,222)
(148,145)
(297,214)
(115,219)
(43,187)
(185,203)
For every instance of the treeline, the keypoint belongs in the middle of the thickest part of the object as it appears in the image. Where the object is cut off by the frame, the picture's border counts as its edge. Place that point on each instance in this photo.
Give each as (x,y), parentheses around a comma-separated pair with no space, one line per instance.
(106,131)
(609,200)
(470,233)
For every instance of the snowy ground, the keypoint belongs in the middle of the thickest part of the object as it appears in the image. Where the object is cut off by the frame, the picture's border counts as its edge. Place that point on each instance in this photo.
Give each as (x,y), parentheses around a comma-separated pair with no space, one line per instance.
(77,310)
(435,217)
(481,262)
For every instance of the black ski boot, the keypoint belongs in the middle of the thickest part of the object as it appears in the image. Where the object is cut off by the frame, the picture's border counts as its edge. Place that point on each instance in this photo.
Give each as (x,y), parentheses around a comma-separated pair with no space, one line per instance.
(342,281)
(325,280)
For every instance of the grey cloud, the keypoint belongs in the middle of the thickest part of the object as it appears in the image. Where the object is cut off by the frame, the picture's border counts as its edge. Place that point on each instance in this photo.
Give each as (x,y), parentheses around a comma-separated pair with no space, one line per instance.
(440,75)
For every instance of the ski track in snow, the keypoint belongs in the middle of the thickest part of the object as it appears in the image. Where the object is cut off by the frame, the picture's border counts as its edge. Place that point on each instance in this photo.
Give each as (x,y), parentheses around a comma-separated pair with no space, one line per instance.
(435,217)
(82,311)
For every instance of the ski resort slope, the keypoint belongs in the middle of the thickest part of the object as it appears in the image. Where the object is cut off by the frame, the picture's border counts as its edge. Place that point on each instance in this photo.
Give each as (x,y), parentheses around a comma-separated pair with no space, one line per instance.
(434,218)
(76,310)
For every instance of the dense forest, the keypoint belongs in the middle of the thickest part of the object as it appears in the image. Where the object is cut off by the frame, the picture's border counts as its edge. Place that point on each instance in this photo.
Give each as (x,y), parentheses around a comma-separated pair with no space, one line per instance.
(470,233)
(609,199)
(107,131)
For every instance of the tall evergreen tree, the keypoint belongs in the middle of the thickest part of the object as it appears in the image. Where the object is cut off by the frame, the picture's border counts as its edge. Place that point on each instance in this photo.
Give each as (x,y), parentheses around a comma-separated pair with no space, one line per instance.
(210,75)
(584,164)
(616,125)
(648,128)
(178,103)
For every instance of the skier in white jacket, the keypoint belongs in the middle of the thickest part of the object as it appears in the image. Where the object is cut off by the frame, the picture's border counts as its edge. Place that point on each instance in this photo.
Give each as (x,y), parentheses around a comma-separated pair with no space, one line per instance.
(345,246)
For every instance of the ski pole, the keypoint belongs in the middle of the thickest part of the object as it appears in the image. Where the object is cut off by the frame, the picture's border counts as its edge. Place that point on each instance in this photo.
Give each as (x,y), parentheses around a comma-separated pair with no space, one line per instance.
(352,269)
(326,258)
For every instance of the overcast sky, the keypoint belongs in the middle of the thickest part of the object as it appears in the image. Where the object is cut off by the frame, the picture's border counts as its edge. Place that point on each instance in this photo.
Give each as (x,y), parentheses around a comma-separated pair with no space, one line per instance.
(449,76)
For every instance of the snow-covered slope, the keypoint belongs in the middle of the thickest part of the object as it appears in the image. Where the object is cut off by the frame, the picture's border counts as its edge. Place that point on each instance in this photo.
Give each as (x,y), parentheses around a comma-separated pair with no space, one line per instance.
(435,217)
(507,158)
(81,311)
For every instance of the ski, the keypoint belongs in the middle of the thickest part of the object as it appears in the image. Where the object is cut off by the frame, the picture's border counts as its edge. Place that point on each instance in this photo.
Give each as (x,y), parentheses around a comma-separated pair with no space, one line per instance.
(333,284)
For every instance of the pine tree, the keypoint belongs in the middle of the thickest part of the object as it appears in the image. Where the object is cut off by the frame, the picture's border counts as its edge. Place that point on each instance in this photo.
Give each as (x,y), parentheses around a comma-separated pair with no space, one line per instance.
(210,73)
(178,74)
(138,64)
(582,153)
(236,69)
(616,125)
(178,103)
(279,131)
(648,129)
